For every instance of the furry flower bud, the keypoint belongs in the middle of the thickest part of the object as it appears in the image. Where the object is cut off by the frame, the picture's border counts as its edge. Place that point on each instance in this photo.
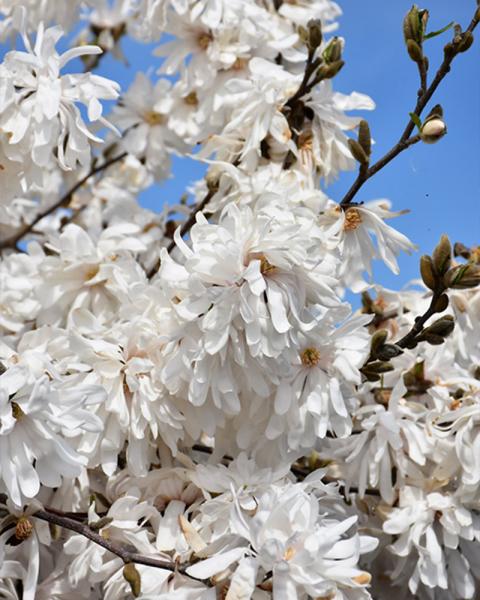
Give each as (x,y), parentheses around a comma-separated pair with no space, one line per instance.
(427,272)
(132,576)
(314,33)
(442,255)
(462,277)
(433,130)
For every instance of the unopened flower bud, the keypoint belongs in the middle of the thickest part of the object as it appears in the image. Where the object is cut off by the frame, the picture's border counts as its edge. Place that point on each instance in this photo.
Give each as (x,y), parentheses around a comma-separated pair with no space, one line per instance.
(379,367)
(213,182)
(462,277)
(408,29)
(333,52)
(314,33)
(460,249)
(378,340)
(443,327)
(442,255)
(23,529)
(441,303)
(358,152)
(364,137)
(415,24)
(465,42)
(414,51)
(330,70)
(427,272)
(131,574)
(389,351)
(449,50)
(433,130)
(432,338)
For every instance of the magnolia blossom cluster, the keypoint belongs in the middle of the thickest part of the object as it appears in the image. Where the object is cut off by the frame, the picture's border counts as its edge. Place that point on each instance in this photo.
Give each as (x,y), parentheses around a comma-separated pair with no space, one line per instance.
(189,407)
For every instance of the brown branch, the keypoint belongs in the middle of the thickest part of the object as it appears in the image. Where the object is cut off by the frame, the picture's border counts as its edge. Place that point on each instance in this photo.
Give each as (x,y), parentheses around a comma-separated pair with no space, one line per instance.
(12,241)
(55,517)
(185,228)
(305,86)
(420,321)
(423,79)
(405,140)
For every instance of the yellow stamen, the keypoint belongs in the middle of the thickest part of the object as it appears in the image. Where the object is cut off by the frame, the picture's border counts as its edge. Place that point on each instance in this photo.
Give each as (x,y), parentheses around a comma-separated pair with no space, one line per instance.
(92,272)
(23,529)
(204,39)
(353,219)
(17,411)
(239,64)
(154,118)
(191,99)
(310,357)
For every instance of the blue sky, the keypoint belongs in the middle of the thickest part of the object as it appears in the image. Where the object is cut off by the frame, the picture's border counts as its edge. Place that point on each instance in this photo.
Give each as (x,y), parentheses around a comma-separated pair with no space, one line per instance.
(440,183)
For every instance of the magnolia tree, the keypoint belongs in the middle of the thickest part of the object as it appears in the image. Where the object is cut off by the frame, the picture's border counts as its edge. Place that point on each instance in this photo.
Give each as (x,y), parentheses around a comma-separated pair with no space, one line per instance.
(189,408)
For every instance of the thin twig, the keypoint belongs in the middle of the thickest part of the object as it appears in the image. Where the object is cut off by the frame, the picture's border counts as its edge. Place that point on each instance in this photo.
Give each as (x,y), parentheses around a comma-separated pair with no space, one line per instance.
(119,549)
(305,87)
(421,320)
(12,241)
(422,70)
(405,140)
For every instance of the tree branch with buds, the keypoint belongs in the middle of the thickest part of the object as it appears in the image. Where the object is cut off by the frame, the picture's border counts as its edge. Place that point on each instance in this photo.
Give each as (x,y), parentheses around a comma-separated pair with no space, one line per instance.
(461,43)
(439,276)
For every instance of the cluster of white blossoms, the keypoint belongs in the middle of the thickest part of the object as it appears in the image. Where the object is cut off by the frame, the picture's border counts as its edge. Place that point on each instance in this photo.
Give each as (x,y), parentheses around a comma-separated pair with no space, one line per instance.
(189,407)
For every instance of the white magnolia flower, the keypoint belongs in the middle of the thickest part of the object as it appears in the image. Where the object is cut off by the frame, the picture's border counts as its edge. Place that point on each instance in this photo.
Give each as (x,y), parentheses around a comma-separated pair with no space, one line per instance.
(45,118)
(257,103)
(38,11)
(327,143)
(143,115)
(353,227)
(32,414)
(317,397)
(137,410)
(84,274)
(387,438)
(305,552)
(437,527)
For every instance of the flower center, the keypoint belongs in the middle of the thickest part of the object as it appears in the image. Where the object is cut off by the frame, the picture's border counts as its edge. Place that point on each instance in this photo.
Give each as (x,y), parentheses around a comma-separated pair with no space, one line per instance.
(23,529)
(239,64)
(91,272)
(17,411)
(191,99)
(353,219)
(305,140)
(289,553)
(310,357)
(204,39)
(153,118)
(266,266)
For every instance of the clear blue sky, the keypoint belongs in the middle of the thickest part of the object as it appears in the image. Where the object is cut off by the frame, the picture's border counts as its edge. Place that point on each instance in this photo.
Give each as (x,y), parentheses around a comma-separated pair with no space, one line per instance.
(440,184)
